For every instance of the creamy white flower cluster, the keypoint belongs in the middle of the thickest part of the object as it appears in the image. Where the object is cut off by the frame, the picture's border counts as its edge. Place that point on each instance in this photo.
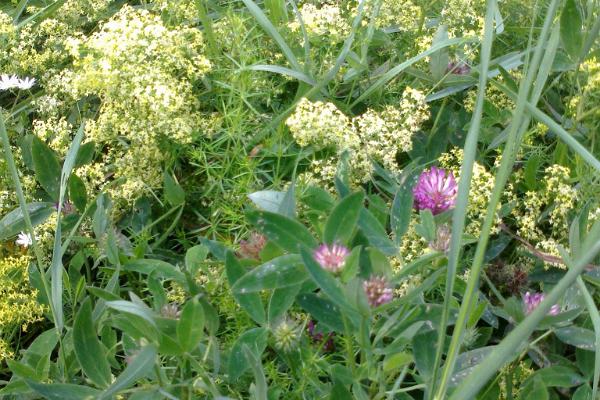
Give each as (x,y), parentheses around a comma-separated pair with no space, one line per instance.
(377,135)
(326,22)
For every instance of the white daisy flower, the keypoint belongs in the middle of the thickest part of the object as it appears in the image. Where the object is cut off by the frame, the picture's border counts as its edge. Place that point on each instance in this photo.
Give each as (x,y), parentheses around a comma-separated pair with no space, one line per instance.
(13,82)
(26,83)
(24,239)
(8,81)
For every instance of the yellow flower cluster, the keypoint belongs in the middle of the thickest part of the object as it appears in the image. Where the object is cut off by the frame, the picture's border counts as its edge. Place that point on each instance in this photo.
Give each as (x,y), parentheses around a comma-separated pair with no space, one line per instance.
(388,132)
(143,74)
(582,106)
(482,185)
(324,23)
(403,15)
(374,135)
(464,17)
(558,197)
(321,124)
(18,305)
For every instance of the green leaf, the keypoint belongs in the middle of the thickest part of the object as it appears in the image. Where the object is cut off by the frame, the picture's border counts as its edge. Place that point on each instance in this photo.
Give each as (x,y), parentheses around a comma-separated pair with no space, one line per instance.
(77,192)
(85,154)
(190,327)
(558,376)
(289,234)
(401,211)
(250,302)
(129,307)
(584,392)
(260,389)
(534,389)
(342,220)
(256,340)
(46,166)
(88,349)
(22,370)
(137,369)
(267,200)
(159,268)
(579,337)
(375,233)
(466,362)
(14,222)
(427,226)
(570,29)
(195,257)
(288,203)
(318,199)
(438,61)
(279,272)
(280,302)
(424,352)
(174,194)
(64,391)
(323,310)
(396,361)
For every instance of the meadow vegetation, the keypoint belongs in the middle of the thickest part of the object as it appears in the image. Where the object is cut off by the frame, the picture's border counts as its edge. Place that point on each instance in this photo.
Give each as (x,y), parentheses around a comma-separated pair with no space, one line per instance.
(370,199)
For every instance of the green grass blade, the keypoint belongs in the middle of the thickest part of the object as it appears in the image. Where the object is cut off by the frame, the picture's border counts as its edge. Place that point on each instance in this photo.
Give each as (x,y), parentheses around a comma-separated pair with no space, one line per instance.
(320,86)
(508,348)
(44,13)
(595,316)
(282,71)
(460,210)
(56,267)
(392,73)
(266,24)
(518,125)
(23,204)
(565,136)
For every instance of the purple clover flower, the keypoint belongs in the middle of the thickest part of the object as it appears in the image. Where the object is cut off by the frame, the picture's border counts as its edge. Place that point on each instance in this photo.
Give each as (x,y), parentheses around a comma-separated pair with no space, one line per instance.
(252,247)
(436,190)
(458,68)
(319,337)
(532,300)
(331,258)
(378,291)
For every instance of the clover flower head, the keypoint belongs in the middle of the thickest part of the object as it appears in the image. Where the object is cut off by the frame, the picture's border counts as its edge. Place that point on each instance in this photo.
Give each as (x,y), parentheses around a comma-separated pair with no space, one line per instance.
(378,291)
(458,68)
(24,240)
(286,335)
(319,337)
(331,258)
(252,247)
(170,311)
(532,300)
(436,190)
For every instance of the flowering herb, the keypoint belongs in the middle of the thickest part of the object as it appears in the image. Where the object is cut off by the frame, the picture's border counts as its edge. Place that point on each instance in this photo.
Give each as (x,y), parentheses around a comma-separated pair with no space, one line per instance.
(252,247)
(24,239)
(8,82)
(331,258)
(320,337)
(532,300)
(436,190)
(378,291)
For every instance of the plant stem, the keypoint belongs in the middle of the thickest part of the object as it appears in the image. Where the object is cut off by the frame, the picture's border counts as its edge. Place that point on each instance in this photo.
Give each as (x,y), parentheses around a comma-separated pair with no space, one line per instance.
(460,211)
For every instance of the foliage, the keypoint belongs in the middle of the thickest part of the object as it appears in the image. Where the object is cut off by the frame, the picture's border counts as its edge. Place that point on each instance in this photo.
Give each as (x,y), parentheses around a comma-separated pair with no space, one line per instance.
(205,199)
